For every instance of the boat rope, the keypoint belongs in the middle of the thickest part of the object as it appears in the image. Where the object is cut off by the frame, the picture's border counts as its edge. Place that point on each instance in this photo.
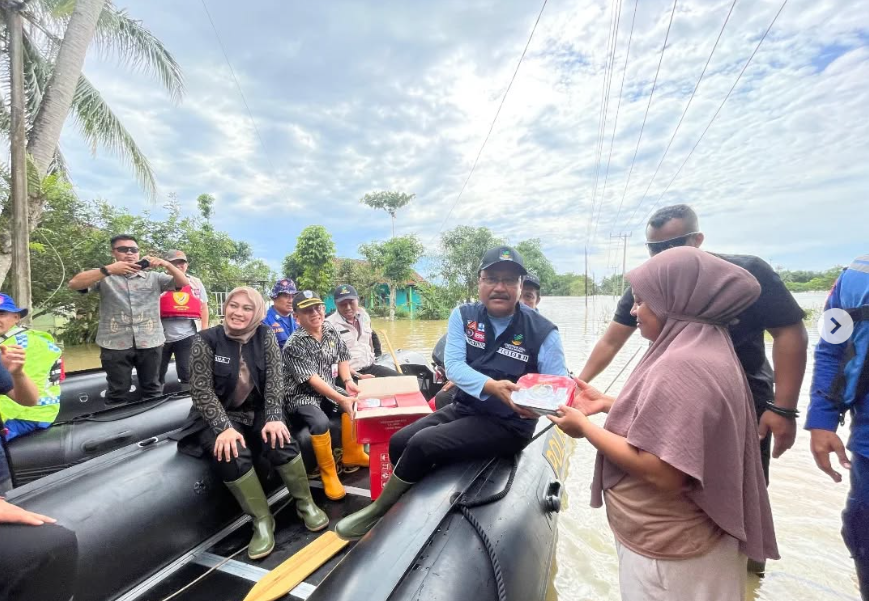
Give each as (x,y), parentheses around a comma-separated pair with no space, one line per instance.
(465,507)
(145,406)
(463,504)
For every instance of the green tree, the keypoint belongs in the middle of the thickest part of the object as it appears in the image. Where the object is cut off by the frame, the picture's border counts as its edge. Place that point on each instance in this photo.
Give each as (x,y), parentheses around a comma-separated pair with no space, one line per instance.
(74,235)
(359,274)
(388,200)
(462,248)
(312,264)
(537,263)
(395,259)
(57,34)
(614,285)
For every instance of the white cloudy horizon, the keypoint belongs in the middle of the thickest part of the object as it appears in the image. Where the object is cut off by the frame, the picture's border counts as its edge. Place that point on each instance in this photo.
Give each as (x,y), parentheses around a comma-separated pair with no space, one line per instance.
(351,98)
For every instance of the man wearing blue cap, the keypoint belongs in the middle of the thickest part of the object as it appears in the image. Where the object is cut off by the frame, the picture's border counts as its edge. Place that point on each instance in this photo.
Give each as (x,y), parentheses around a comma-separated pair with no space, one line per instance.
(33,360)
(280,315)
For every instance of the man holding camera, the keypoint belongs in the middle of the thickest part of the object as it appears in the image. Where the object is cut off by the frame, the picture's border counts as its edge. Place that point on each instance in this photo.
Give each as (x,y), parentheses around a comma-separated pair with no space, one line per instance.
(130,333)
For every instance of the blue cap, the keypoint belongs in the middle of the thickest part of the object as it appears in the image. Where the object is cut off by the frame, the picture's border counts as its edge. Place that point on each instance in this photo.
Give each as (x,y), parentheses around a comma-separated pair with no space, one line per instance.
(8,305)
(284,286)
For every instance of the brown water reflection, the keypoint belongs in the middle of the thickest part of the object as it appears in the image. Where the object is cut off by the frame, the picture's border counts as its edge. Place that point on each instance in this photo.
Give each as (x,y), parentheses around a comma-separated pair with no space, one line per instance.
(806,504)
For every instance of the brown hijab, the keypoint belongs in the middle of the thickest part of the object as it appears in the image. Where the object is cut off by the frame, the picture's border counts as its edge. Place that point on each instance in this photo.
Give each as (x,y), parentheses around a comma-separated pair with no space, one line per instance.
(688,401)
(259,312)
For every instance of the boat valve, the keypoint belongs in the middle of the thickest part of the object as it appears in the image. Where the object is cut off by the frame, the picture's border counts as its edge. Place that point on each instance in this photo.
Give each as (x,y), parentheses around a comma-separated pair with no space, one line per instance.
(552,499)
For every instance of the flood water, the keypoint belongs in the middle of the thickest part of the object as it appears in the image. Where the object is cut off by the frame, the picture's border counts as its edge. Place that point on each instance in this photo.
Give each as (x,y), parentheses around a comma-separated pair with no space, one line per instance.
(806,503)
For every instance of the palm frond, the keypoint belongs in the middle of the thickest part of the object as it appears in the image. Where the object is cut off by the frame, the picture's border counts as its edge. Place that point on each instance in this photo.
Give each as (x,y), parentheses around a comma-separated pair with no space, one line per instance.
(138,48)
(100,126)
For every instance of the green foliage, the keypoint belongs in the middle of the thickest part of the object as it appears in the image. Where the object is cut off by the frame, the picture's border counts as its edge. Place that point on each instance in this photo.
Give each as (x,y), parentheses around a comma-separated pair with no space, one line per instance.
(462,248)
(437,301)
(395,259)
(570,284)
(312,264)
(809,281)
(74,236)
(537,263)
(614,285)
(387,200)
(359,274)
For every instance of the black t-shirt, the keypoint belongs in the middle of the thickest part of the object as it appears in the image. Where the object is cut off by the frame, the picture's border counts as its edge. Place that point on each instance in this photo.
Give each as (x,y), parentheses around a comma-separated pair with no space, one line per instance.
(774,308)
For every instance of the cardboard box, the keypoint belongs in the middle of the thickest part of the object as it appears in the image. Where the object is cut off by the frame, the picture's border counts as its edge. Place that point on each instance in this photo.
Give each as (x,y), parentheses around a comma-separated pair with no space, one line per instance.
(380,467)
(386,405)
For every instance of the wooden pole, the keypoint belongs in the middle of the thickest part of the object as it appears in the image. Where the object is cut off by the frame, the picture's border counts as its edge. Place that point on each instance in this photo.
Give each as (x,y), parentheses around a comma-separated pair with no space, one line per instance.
(20,216)
(392,352)
(586,279)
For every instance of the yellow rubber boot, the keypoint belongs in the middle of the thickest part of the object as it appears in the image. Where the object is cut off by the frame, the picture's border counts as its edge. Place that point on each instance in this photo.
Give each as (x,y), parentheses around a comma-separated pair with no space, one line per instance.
(322,444)
(354,453)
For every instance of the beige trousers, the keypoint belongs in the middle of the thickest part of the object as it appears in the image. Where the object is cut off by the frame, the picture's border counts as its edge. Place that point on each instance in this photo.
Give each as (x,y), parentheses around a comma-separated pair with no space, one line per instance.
(719,575)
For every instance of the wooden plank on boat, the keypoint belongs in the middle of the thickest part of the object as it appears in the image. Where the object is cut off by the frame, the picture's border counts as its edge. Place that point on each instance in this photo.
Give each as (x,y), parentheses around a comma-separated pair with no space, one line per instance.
(294,570)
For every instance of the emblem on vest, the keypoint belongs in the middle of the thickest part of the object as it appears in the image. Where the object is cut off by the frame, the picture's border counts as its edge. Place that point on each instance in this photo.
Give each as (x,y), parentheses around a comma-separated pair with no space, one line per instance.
(219,359)
(475,334)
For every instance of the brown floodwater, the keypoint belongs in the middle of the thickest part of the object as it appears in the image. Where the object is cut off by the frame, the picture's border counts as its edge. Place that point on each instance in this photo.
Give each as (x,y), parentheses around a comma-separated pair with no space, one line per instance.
(806,504)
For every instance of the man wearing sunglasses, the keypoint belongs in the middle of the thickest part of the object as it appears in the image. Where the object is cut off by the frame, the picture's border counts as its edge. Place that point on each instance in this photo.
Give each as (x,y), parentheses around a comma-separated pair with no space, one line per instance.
(130,332)
(775,393)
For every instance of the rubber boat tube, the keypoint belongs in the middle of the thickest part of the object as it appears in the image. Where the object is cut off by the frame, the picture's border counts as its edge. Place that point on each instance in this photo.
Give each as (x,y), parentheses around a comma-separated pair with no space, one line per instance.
(133,511)
(422,550)
(47,451)
(84,392)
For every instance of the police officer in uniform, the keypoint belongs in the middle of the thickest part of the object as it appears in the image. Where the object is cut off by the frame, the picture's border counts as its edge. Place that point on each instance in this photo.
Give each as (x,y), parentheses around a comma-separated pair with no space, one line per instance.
(490,345)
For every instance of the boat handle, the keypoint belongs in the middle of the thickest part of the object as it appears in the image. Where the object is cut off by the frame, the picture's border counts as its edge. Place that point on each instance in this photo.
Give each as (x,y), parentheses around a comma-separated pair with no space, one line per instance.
(552,499)
(147,442)
(100,444)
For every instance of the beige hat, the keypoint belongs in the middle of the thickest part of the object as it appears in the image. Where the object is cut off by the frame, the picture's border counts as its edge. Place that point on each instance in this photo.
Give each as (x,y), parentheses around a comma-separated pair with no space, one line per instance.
(176,255)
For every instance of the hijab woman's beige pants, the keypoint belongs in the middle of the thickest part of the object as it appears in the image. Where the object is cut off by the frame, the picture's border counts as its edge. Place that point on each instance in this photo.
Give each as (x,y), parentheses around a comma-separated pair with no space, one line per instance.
(719,575)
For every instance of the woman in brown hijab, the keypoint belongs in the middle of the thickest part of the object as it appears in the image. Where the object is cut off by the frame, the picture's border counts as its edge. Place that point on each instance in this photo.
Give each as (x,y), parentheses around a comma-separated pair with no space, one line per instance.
(678,462)
(237,387)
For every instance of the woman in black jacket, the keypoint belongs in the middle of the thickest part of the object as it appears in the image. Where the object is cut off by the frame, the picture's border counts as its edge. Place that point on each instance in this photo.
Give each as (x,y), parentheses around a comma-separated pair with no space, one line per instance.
(237,389)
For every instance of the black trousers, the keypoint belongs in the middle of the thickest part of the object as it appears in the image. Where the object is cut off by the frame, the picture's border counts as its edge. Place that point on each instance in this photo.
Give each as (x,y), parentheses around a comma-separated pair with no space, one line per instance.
(38,562)
(446,436)
(256,450)
(181,350)
(312,416)
(445,398)
(379,371)
(119,364)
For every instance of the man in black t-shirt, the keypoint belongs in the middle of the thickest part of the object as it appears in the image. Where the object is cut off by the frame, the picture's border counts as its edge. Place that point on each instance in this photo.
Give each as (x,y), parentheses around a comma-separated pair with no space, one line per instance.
(775,311)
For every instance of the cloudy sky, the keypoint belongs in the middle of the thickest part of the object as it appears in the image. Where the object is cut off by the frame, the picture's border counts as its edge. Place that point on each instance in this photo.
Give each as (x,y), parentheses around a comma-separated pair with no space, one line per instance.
(351,97)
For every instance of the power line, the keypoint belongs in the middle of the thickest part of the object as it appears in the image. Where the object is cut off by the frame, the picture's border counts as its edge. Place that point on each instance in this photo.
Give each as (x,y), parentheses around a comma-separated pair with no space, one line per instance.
(616,121)
(685,112)
(491,127)
(612,43)
(648,106)
(238,85)
(721,106)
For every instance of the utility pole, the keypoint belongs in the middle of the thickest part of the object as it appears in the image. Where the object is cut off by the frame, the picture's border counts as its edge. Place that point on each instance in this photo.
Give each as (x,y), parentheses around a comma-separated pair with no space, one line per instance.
(20,216)
(586,280)
(624,237)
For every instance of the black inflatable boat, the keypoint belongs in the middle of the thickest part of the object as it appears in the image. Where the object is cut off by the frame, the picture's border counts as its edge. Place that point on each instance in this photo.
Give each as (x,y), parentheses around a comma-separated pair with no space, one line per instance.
(150,521)
(88,426)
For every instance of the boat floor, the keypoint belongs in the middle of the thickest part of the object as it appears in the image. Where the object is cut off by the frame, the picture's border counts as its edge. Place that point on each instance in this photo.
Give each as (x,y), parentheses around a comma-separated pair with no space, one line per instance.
(234,579)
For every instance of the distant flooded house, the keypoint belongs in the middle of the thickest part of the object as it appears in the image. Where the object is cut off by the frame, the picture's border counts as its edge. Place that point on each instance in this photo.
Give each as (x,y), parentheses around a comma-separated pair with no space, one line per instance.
(407,297)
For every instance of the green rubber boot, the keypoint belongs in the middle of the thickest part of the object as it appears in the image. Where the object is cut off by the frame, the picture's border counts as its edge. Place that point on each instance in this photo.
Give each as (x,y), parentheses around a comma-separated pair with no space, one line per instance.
(248,491)
(296,478)
(357,525)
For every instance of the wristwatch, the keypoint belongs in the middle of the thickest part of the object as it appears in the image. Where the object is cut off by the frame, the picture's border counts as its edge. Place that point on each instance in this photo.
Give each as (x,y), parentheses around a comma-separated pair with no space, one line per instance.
(104,271)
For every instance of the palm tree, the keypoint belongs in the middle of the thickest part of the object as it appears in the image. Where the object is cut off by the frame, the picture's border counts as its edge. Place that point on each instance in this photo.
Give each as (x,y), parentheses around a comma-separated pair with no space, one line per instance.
(57,35)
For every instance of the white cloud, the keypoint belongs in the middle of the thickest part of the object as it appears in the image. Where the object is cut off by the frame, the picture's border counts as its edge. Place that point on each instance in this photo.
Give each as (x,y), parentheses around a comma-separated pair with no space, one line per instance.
(351,99)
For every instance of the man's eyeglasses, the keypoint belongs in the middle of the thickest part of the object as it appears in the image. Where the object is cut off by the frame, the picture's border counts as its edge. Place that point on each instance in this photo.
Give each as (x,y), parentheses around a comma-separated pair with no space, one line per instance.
(126,250)
(659,247)
(511,280)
